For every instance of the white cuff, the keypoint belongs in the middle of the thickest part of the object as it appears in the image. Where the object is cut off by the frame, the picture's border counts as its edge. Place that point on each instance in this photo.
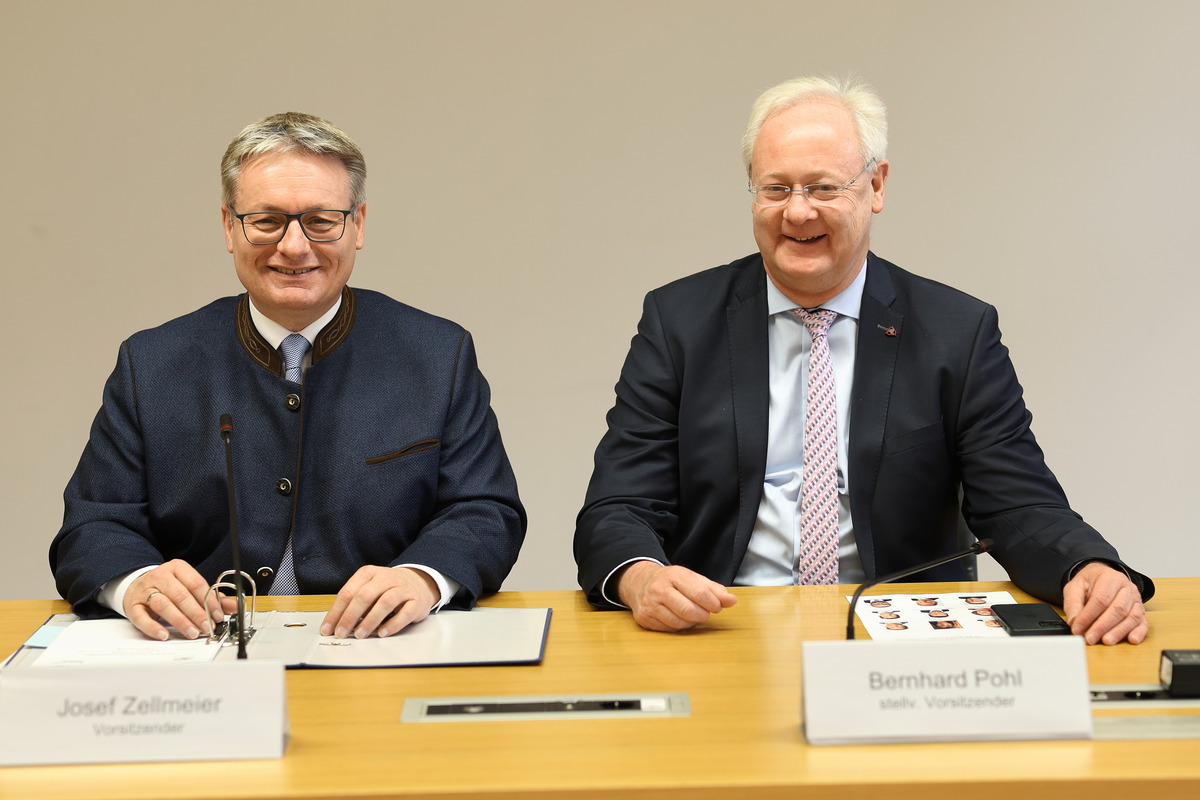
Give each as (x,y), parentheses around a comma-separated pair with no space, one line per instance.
(112,594)
(604,585)
(447,587)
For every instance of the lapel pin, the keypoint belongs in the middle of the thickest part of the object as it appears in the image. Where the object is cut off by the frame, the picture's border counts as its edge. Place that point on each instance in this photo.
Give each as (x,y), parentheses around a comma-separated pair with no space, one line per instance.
(890,330)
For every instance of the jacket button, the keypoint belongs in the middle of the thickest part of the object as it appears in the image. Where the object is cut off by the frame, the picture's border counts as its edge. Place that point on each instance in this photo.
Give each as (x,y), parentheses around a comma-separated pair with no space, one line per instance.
(293,402)
(284,486)
(265,573)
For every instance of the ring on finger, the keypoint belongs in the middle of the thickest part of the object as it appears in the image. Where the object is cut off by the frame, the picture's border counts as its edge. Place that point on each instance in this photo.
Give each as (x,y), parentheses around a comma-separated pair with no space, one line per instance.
(150,596)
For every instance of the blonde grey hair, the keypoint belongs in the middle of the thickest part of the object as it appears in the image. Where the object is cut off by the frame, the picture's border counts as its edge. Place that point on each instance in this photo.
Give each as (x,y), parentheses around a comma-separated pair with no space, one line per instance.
(858,98)
(282,133)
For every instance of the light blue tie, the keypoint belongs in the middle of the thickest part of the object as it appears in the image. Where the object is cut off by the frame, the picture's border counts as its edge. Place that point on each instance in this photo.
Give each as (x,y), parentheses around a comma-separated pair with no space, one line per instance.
(293,349)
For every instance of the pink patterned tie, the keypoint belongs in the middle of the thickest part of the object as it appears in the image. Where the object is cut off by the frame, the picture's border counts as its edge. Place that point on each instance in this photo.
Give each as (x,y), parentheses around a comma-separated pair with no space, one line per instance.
(818,560)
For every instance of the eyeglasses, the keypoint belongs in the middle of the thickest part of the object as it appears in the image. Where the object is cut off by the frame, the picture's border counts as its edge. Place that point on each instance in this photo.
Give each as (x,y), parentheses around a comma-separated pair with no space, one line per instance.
(773,194)
(269,227)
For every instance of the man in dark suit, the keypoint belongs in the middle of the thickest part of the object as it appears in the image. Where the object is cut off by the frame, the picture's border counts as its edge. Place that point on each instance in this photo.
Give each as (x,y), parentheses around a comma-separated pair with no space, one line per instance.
(367,459)
(708,477)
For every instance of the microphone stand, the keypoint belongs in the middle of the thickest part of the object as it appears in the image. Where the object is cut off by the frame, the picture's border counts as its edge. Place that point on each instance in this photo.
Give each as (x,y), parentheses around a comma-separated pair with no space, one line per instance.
(239,589)
(981,546)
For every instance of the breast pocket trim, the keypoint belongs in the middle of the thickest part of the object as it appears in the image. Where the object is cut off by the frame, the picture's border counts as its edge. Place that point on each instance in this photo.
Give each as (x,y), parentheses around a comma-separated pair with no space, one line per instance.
(420,446)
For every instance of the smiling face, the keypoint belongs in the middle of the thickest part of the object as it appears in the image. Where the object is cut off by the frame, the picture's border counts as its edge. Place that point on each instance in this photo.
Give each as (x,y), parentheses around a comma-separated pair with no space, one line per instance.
(294,281)
(813,252)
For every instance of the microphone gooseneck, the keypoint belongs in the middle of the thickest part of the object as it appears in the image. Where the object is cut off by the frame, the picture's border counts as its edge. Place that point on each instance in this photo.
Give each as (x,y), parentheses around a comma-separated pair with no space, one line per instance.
(981,546)
(227,437)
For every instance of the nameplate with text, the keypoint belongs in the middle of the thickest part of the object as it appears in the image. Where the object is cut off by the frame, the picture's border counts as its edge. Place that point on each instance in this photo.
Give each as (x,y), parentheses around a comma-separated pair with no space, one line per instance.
(860,692)
(159,712)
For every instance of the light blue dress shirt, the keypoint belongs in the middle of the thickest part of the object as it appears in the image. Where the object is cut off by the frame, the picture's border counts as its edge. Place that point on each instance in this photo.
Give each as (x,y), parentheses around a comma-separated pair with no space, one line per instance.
(775,541)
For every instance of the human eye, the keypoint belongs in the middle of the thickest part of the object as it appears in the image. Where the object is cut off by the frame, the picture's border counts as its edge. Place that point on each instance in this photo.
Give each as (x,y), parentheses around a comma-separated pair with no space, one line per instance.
(322,221)
(267,223)
(822,191)
(773,191)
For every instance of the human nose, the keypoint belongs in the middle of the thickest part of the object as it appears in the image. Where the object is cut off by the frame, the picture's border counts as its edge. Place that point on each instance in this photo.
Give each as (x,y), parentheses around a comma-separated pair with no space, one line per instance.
(799,207)
(294,242)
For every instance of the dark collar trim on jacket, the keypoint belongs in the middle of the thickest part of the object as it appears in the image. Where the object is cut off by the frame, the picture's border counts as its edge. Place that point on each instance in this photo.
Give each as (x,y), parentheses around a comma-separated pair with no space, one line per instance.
(338,328)
(328,339)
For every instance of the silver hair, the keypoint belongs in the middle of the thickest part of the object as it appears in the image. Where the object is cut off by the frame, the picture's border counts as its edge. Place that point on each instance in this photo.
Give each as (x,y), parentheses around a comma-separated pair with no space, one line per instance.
(858,98)
(282,133)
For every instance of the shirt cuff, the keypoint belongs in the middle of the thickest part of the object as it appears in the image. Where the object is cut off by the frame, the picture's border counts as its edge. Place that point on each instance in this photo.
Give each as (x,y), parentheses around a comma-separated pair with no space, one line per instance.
(447,587)
(112,594)
(607,583)
(1118,566)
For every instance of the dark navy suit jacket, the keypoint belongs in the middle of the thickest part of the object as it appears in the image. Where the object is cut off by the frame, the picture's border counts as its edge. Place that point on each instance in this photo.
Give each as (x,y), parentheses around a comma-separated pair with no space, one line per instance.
(389,453)
(936,409)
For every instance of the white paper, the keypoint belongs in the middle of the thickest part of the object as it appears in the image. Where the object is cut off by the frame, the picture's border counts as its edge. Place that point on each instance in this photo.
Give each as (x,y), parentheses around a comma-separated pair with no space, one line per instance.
(115,642)
(948,615)
(480,636)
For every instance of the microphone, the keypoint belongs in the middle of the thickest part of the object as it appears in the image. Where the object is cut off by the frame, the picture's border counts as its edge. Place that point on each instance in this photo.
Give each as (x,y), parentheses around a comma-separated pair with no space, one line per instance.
(227,437)
(982,546)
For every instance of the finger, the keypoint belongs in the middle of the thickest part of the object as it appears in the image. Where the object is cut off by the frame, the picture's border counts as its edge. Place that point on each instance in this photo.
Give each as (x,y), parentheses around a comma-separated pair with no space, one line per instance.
(345,625)
(410,612)
(219,606)
(180,611)
(666,595)
(1083,619)
(655,625)
(333,620)
(1139,632)
(226,605)
(707,594)
(689,610)
(662,618)
(1103,631)
(404,595)
(665,607)
(388,603)
(1108,616)
(190,593)
(712,597)
(1116,626)
(1073,597)
(355,607)
(1089,603)
(146,622)
(678,611)
(155,605)
(1120,632)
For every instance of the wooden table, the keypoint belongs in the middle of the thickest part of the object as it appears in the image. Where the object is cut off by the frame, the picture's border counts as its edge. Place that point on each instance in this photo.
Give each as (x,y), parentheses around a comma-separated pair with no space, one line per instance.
(741,672)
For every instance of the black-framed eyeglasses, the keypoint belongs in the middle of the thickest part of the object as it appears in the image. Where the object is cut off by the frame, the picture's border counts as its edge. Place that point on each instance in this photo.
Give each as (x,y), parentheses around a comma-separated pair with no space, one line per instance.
(269,227)
(774,194)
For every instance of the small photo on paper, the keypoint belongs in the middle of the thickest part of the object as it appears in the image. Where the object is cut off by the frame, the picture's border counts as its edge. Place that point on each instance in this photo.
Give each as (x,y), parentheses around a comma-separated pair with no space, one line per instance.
(945,624)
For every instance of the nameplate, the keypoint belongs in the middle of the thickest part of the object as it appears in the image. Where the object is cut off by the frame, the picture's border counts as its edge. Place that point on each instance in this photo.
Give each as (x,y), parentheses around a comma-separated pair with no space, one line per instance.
(860,692)
(162,712)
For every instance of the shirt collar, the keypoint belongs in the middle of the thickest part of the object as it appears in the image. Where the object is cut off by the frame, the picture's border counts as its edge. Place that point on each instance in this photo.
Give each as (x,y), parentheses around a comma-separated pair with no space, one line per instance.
(275,333)
(846,304)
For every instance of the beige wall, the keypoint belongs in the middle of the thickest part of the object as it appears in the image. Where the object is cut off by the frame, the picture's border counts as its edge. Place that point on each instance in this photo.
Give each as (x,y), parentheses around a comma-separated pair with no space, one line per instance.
(1042,158)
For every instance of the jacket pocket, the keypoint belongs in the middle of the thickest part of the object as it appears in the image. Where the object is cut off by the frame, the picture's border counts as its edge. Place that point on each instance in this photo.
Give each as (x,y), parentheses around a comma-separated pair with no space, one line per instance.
(907,441)
(419,446)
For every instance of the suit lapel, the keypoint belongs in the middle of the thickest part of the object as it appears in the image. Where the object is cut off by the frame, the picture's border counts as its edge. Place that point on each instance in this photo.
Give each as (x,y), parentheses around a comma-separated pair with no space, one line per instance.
(746,320)
(880,329)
